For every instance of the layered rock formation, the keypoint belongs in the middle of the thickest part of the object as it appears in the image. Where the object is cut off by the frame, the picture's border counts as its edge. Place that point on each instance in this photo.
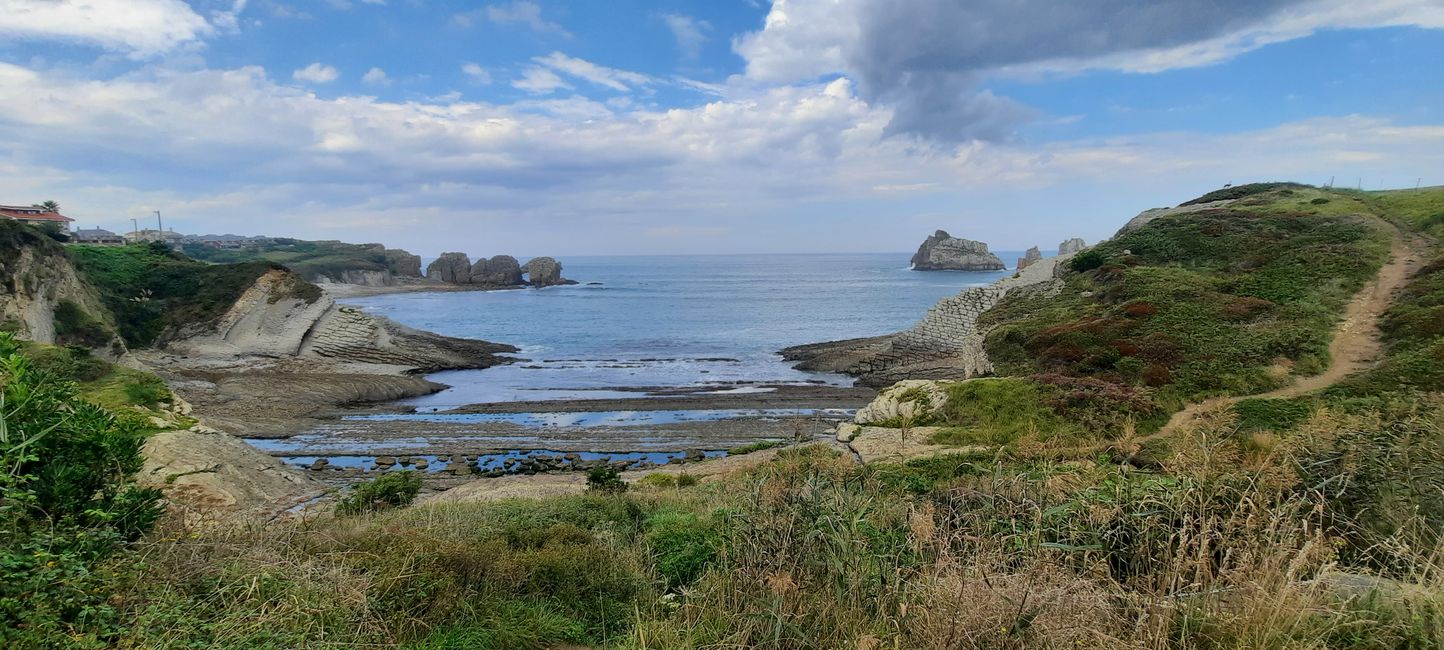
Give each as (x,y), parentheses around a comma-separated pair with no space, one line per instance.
(272,319)
(36,278)
(1072,246)
(1033,255)
(943,252)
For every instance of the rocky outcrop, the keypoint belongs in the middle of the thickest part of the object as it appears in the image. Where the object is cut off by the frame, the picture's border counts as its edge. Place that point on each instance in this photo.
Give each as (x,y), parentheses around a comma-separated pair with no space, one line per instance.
(359,277)
(402,263)
(943,252)
(499,271)
(36,278)
(946,344)
(1149,215)
(904,403)
(1074,245)
(274,319)
(544,272)
(454,268)
(1033,255)
(205,473)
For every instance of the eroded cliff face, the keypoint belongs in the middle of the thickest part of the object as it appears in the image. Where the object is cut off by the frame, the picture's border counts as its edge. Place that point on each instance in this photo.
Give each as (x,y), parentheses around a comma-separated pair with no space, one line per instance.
(282,316)
(36,281)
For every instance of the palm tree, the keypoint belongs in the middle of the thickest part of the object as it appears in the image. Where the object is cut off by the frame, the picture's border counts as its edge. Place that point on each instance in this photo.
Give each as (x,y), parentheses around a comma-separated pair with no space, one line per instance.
(48,206)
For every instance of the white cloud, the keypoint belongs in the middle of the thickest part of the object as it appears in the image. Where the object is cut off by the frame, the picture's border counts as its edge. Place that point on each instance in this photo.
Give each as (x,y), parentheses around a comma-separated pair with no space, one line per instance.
(376,77)
(539,81)
(318,73)
(476,73)
(689,32)
(139,28)
(520,12)
(237,151)
(927,58)
(618,80)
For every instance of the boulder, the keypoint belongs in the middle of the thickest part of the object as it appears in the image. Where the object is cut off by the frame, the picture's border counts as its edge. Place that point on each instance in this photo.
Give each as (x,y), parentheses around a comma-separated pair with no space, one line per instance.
(943,252)
(543,272)
(499,271)
(454,268)
(1071,246)
(847,431)
(1033,255)
(910,399)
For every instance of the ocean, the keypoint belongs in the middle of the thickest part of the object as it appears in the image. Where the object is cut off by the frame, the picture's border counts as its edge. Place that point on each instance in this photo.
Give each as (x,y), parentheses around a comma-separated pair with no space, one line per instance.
(667,321)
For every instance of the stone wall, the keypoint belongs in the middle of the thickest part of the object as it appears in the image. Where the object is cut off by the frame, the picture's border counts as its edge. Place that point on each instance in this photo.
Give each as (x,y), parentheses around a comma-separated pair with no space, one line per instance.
(948,343)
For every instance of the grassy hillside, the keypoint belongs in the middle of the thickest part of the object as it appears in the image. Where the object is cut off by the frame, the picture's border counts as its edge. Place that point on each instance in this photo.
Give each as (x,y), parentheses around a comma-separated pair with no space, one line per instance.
(311,259)
(149,288)
(1222,302)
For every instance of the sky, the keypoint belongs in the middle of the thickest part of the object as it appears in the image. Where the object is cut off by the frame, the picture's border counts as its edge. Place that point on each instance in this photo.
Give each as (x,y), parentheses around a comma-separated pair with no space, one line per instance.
(552,127)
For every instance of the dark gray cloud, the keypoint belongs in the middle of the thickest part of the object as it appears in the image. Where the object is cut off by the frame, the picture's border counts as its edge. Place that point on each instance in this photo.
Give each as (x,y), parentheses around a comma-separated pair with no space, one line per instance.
(925,57)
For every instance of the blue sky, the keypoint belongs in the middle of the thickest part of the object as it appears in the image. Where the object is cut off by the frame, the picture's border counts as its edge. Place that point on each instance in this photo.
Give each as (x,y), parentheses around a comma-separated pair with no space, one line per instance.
(550,127)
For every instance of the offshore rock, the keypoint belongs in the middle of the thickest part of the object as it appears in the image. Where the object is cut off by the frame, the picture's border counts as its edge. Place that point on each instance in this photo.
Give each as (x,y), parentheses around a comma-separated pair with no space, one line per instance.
(1033,255)
(544,272)
(1072,246)
(943,252)
(499,271)
(450,267)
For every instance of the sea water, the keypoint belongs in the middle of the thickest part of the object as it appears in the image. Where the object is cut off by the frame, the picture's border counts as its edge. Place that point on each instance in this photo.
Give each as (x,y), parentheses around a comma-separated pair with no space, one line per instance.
(714,321)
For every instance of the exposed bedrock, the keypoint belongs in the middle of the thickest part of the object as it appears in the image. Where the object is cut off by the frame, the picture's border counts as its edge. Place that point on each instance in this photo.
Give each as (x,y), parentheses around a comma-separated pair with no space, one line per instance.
(499,271)
(450,267)
(1072,246)
(544,272)
(1032,256)
(943,252)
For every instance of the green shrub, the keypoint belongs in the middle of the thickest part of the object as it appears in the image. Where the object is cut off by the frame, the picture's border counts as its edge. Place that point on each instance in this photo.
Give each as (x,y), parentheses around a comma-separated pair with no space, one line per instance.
(755,446)
(74,326)
(605,479)
(1272,414)
(146,390)
(683,545)
(664,480)
(1243,191)
(390,490)
(68,504)
(997,412)
(149,289)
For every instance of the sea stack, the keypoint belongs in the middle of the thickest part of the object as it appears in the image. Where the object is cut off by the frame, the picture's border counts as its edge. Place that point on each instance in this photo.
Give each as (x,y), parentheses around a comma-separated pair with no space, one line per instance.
(943,252)
(544,272)
(454,268)
(1033,255)
(1071,246)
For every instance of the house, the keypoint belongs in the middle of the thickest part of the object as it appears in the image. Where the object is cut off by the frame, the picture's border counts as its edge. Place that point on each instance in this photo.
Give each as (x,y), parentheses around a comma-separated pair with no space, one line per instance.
(168,236)
(36,216)
(99,236)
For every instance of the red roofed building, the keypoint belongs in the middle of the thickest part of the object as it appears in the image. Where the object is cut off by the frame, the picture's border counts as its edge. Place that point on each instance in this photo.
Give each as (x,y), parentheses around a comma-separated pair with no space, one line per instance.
(35,215)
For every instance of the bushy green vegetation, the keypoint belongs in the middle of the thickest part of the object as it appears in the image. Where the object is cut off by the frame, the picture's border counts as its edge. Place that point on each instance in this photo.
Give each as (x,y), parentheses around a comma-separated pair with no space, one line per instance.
(311,259)
(390,490)
(1225,301)
(149,288)
(66,503)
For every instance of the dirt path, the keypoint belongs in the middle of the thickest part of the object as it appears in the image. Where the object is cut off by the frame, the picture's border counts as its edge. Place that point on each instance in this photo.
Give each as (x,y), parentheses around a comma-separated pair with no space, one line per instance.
(1357,344)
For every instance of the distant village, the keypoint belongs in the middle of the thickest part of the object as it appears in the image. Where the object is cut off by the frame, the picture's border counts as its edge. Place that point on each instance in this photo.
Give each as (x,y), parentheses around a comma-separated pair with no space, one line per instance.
(47,215)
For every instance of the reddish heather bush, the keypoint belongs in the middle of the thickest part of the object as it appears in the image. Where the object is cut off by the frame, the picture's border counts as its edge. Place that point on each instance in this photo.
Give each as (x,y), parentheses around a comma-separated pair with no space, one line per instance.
(1156,374)
(1140,309)
(1243,307)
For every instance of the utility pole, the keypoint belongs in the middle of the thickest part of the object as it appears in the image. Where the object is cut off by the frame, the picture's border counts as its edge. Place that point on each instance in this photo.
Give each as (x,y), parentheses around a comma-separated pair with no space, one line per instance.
(1417,181)
(159,229)
(135,228)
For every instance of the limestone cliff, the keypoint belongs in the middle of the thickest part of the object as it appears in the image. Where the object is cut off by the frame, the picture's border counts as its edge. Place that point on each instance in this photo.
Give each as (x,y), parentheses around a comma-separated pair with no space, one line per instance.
(943,252)
(1071,246)
(37,282)
(278,317)
(1031,257)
